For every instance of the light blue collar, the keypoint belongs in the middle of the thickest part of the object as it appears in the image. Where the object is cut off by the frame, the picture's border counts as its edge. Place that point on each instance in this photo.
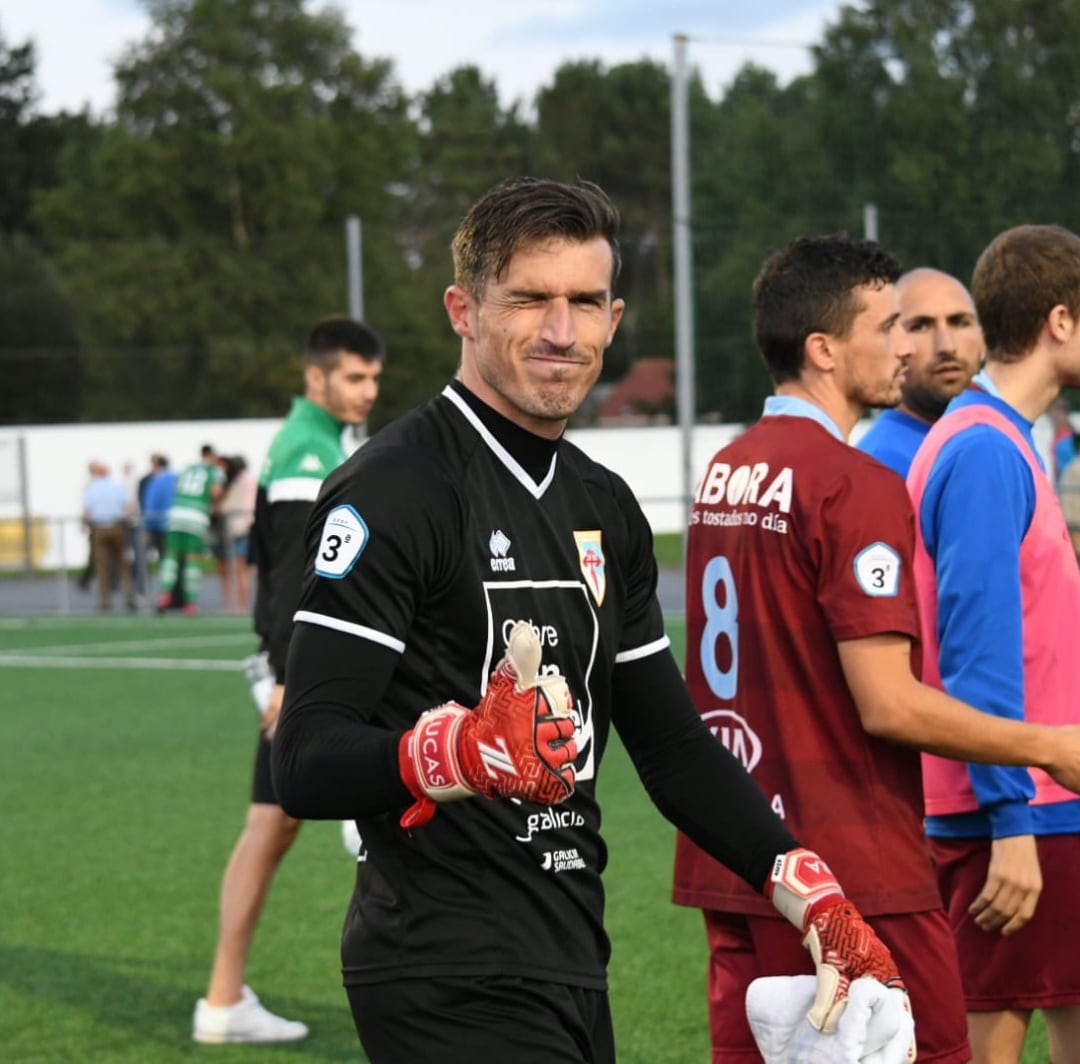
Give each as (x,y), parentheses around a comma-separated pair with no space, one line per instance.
(985,381)
(793,406)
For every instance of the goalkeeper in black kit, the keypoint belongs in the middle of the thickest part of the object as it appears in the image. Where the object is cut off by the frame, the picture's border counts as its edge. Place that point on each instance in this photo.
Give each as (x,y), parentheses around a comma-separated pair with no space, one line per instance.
(479,609)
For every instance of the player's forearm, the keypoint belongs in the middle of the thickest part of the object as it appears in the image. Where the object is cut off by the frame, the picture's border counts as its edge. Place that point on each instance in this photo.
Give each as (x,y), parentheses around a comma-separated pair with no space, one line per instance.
(918,715)
(328,766)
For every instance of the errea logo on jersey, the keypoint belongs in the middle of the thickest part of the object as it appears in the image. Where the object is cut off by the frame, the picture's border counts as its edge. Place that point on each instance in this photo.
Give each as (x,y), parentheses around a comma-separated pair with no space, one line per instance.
(311,463)
(499,545)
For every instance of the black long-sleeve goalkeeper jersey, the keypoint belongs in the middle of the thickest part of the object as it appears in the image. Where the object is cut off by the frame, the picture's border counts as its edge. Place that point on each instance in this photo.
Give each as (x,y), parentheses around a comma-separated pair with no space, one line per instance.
(423,550)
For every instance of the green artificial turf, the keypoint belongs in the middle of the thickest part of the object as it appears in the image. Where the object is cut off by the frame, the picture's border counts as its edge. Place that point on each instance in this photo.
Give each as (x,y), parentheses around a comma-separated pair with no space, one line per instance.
(125,759)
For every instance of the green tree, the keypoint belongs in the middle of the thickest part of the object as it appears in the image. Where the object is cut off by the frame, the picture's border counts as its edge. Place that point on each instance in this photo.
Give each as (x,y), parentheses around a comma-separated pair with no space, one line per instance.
(613,127)
(204,234)
(466,143)
(961,118)
(39,349)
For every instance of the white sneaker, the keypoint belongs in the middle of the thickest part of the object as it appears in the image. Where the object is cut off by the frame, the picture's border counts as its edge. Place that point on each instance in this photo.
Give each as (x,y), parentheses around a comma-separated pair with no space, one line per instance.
(246,1021)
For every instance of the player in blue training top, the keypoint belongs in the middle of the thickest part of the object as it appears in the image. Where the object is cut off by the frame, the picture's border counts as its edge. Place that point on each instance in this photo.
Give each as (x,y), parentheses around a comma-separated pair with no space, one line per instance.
(999,598)
(947,346)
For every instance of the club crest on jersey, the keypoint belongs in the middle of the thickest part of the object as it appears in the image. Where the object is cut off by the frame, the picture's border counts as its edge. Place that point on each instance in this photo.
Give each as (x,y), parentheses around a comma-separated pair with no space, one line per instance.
(591,559)
(499,545)
(344,537)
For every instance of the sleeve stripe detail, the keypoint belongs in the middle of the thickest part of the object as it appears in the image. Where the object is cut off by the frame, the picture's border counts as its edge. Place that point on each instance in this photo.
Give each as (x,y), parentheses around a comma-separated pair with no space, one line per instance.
(294,489)
(643,652)
(350,629)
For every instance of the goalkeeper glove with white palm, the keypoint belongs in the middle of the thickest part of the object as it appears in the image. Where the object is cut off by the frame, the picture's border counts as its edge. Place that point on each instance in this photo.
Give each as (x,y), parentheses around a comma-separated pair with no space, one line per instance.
(843,945)
(517,743)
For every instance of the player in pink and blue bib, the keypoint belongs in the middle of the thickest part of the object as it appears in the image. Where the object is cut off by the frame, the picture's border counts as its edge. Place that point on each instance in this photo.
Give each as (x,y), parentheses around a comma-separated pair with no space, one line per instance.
(999,598)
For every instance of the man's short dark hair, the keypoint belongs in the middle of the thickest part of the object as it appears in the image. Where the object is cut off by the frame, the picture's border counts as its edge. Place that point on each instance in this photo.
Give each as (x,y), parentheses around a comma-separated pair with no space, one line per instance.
(523,211)
(1021,276)
(207,452)
(810,286)
(337,334)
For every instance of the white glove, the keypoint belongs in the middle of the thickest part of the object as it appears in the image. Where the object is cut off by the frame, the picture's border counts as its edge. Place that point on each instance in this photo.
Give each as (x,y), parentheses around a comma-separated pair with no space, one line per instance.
(876,1026)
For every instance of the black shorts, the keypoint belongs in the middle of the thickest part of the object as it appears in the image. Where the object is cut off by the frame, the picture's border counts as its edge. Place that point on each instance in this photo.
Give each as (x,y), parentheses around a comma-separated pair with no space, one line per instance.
(262,786)
(470,1019)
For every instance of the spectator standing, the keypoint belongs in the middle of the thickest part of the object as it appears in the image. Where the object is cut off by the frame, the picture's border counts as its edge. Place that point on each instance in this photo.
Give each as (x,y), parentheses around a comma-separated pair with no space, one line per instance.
(237,508)
(157,498)
(343,360)
(938,314)
(107,510)
(801,617)
(198,490)
(1001,628)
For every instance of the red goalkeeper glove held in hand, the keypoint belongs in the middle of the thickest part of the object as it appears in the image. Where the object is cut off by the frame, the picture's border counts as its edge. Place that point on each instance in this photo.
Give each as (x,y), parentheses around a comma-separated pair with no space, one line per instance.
(517,743)
(842,943)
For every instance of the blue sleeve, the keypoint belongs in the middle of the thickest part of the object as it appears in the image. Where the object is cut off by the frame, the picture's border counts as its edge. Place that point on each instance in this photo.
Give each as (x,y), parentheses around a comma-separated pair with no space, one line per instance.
(978,504)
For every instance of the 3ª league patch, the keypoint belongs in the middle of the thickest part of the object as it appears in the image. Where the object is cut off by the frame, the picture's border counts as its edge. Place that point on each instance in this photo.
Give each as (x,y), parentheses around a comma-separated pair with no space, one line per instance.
(344,537)
(877,570)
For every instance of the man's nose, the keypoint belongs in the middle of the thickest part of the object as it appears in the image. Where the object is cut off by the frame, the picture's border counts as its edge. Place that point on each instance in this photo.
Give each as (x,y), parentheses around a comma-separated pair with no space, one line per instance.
(558,326)
(944,340)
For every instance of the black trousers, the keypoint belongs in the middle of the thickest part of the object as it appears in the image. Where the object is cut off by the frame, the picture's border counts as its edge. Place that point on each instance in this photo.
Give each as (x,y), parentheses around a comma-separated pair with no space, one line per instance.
(482,1020)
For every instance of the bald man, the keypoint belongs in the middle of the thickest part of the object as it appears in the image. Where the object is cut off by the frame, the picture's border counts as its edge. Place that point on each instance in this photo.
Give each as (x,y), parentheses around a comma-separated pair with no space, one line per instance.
(938,312)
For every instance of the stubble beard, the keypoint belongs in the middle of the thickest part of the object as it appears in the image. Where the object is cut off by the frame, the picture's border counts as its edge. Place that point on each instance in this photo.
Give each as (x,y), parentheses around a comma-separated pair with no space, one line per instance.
(927,403)
(555,399)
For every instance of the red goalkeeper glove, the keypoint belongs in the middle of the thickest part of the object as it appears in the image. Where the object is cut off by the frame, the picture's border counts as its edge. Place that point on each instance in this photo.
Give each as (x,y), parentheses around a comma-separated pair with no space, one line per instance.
(842,943)
(517,743)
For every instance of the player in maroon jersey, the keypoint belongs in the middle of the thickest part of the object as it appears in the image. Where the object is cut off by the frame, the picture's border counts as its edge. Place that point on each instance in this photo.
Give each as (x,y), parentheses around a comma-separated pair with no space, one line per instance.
(801,627)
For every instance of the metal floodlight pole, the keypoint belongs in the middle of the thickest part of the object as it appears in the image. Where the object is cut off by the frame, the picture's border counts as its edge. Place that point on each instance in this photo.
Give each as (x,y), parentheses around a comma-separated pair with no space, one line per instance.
(870,221)
(683,265)
(355,260)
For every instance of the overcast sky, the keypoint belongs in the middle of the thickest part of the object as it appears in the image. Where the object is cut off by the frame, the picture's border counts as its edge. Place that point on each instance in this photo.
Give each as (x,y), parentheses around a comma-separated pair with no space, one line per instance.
(519,43)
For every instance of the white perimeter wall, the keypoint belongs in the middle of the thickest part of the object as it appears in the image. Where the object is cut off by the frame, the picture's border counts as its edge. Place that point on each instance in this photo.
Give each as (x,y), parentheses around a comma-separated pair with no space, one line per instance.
(648,458)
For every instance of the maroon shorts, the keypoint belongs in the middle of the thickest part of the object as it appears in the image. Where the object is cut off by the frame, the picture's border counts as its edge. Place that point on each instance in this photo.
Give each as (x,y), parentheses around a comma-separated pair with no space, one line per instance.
(742,948)
(1038,967)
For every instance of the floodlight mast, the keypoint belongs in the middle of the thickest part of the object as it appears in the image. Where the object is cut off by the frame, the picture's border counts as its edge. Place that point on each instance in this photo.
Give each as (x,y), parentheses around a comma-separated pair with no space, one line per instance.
(683,267)
(355,264)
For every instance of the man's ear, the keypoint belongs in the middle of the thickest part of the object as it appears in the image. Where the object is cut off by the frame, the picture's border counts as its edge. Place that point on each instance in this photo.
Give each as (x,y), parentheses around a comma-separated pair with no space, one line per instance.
(458,305)
(818,351)
(1060,323)
(314,380)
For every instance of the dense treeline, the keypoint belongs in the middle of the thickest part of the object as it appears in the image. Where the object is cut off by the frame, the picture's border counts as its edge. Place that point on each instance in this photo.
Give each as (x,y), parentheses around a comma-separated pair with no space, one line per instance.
(165,262)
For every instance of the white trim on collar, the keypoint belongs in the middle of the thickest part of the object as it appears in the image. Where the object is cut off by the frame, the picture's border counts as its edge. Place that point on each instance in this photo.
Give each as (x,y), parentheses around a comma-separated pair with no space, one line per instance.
(512,464)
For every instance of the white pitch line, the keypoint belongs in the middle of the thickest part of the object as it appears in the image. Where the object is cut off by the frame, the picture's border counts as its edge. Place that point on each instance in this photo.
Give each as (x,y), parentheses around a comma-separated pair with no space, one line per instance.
(136,644)
(45,662)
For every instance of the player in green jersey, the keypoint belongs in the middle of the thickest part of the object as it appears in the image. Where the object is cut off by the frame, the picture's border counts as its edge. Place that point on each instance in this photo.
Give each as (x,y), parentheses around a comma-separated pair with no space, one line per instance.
(198,489)
(342,363)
